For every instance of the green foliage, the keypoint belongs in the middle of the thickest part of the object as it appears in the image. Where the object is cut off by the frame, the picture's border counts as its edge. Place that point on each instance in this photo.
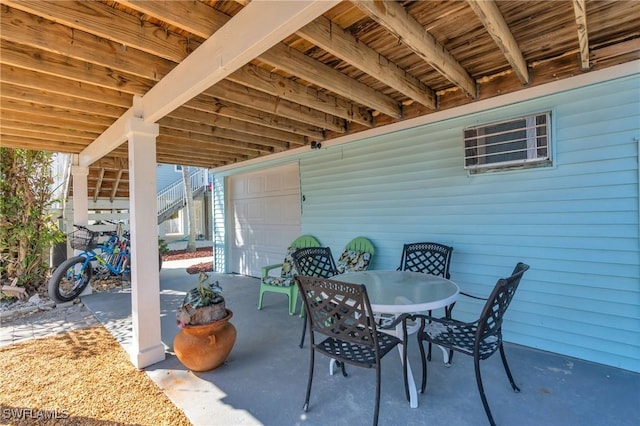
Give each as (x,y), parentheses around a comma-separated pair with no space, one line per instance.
(163,247)
(27,230)
(205,294)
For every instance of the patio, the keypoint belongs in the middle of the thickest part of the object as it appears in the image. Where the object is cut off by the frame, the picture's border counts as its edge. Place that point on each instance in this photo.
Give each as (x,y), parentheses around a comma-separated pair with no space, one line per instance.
(264,379)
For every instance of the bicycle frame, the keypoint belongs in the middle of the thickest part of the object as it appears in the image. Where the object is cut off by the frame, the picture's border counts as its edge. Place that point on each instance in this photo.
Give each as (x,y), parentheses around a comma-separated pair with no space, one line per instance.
(117,252)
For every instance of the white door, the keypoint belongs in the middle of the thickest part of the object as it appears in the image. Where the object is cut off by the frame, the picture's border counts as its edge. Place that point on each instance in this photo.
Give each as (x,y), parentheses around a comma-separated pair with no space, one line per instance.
(264,216)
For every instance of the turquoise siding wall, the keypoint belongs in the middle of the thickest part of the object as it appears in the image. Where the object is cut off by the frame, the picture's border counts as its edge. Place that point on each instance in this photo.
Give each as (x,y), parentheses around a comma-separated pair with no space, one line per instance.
(575,224)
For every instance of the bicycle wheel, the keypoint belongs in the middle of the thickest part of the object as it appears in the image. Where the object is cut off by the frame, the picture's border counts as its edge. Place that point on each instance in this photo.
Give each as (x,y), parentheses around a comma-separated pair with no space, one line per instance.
(69,279)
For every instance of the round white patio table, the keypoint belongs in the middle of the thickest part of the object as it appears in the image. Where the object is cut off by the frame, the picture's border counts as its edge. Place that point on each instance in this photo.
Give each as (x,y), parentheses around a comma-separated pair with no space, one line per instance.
(399,292)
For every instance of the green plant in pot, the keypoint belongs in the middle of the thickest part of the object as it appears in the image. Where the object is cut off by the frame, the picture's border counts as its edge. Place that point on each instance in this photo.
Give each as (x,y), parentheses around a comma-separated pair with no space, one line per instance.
(206,336)
(202,304)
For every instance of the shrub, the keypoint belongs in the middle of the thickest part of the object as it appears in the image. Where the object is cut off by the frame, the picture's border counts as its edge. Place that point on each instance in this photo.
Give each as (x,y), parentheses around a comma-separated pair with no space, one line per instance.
(27,229)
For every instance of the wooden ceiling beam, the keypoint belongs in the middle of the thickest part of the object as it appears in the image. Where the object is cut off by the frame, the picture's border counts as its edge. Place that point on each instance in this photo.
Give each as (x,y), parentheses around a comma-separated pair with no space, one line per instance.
(135,58)
(48,63)
(173,89)
(232,139)
(209,21)
(111,163)
(96,190)
(497,27)
(46,130)
(237,93)
(109,23)
(265,81)
(175,144)
(297,63)
(250,115)
(25,94)
(54,113)
(194,17)
(32,141)
(215,120)
(31,30)
(335,40)
(397,20)
(38,142)
(36,61)
(47,83)
(127,69)
(257,142)
(580,10)
(116,184)
(60,120)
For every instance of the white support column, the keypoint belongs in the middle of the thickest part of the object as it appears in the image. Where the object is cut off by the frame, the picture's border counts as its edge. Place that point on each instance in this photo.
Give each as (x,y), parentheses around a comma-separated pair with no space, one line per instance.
(147,347)
(80,195)
(80,207)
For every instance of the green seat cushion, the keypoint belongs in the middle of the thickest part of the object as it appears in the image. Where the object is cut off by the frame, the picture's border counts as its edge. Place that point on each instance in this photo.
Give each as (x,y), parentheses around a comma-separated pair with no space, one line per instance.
(279,281)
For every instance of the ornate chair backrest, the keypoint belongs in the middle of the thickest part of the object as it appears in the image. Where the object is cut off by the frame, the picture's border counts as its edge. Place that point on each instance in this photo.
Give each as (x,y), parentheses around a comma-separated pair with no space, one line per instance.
(338,309)
(356,256)
(429,258)
(314,262)
(288,268)
(489,333)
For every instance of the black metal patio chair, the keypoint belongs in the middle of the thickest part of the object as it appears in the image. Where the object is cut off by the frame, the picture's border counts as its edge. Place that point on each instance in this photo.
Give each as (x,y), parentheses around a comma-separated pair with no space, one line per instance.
(479,339)
(313,262)
(428,258)
(342,313)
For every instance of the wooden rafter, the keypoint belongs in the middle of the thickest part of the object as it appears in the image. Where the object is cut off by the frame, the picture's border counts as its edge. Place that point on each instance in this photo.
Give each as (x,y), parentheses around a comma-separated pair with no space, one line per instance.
(295,62)
(212,20)
(96,190)
(116,184)
(70,69)
(128,63)
(330,37)
(494,22)
(399,22)
(580,10)
(261,79)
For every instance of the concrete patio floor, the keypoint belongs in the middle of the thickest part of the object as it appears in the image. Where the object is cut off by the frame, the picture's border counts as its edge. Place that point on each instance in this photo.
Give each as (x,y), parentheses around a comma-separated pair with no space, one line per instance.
(265,376)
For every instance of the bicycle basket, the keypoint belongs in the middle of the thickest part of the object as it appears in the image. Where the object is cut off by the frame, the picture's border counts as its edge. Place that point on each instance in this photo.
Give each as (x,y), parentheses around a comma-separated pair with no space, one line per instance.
(83,239)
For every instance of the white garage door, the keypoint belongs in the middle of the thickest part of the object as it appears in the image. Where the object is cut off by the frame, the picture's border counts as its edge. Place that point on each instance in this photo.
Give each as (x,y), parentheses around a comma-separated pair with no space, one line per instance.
(264,216)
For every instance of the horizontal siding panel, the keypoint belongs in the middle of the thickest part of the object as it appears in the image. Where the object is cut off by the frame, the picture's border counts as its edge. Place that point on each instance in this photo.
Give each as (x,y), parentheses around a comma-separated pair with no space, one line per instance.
(575,223)
(602,355)
(609,348)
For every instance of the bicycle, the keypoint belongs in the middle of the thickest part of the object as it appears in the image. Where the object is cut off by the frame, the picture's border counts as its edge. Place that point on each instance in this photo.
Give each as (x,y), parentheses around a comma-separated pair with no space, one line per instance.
(112,258)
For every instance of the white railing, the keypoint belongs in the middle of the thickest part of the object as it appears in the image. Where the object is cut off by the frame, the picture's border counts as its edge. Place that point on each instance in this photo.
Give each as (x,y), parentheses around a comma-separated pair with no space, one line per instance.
(61,171)
(174,195)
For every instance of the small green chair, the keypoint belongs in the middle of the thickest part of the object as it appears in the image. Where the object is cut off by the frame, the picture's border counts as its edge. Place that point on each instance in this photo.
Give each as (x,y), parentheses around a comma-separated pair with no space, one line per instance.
(285,282)
(356,256)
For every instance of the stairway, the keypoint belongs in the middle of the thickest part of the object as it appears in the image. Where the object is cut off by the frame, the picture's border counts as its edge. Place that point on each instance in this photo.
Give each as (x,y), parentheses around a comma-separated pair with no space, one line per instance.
(172,198)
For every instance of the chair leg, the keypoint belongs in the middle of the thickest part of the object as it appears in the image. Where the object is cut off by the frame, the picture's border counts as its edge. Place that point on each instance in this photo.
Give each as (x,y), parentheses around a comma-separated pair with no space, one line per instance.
(476,363)
(306,399)
(447,314)
(507,370)
(429,354)
(377,407)
(424,365)
(260,299)
(405,374)
(293,301)
(304,331)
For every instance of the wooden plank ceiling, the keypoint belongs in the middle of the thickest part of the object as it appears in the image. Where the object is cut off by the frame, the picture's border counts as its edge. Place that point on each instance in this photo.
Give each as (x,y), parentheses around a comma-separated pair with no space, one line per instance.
(69,69)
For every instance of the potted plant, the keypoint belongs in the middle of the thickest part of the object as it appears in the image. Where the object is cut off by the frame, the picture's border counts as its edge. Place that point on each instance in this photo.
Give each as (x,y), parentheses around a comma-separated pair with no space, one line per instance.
(206,336)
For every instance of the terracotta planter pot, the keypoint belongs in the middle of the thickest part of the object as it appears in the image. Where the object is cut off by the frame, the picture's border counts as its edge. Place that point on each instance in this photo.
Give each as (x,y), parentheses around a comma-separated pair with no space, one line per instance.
(206,346)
